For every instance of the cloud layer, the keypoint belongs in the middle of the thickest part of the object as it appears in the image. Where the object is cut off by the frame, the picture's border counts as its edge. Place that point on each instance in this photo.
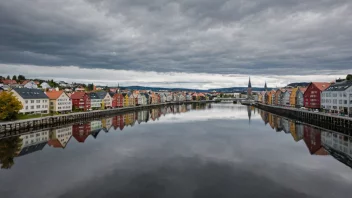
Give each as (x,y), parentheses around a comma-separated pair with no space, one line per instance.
(193,36)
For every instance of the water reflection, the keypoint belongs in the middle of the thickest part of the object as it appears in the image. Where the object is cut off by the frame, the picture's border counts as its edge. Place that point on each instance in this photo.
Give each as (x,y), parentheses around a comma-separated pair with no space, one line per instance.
(188,151)
(318,141)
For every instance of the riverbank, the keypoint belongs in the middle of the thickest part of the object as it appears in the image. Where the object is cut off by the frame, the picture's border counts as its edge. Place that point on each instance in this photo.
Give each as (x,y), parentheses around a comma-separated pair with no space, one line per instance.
(331,122)
(73,117)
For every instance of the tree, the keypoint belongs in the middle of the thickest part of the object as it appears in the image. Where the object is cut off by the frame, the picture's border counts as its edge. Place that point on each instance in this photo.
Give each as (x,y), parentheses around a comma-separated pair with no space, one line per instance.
(90,87)
(9,148)
(14,77)
(349,77)
(21,78)
(8,78)
(9,106)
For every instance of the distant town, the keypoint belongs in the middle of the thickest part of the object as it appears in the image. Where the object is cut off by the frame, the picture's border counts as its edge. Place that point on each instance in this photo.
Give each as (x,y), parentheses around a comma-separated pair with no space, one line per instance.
(33,97)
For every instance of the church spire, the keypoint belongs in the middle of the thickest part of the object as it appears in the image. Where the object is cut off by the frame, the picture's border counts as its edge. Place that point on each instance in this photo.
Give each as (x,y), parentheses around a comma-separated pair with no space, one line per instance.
(249,83)
(265,87)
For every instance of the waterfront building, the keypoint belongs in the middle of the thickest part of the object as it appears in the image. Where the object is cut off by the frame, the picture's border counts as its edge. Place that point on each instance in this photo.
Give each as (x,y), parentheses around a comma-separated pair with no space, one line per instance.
(300,97)
(188,97)
(95,101)
(33,142)
(125,100)
(285,97)
(338,98)
(33,100)
(118,122)
(81,100)
(293,97)
(59,101)
(117,101)
(312,95)
(105,98)
(277,96)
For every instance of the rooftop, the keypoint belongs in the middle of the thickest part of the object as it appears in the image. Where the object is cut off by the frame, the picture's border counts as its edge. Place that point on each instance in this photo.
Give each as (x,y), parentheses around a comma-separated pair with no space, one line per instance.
(26,93)
(54,94)
(340,86)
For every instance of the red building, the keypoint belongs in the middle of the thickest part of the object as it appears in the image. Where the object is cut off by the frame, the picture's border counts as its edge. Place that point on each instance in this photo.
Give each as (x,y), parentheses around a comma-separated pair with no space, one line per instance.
(118,122)
(312,138)
(117,100)
(80,100)
(312,95)
(81,131)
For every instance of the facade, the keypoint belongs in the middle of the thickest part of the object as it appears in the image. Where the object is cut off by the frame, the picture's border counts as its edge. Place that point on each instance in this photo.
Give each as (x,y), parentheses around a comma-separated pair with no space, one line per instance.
(30,84)
(312,95)
(45,85)
(33,100)
(117,101)
(59,101)
(293,97)
(337,142)
(277,97)
(80,100)
(338,98)
(95,101)
(131,99)
(285,99)
(300,97)
(105,98)
(125,100)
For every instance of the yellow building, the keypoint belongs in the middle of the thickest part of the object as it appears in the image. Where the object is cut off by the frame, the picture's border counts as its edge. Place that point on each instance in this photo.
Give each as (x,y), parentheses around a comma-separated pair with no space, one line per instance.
(293,97)
(260,97)
(125,100)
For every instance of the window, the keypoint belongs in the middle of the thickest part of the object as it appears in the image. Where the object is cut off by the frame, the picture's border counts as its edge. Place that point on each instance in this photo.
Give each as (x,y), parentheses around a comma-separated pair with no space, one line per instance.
(340,101)
(26,107)
(26,101)
(32,101)
(32,107)
(51,103)
(345,101)
(38,106)
(38,101)
(43,101)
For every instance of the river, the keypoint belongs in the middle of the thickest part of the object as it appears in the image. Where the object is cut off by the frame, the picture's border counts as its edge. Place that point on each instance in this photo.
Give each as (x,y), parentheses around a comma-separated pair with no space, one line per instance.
(205,151)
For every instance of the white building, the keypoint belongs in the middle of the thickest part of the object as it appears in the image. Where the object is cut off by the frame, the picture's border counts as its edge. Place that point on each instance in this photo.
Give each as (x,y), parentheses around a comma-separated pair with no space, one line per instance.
(95,100)
(33,100)
(30,85)
(59,138)
(59,101)
(105,97)
(45,85)
(338,142)
(338,98)
(142,99)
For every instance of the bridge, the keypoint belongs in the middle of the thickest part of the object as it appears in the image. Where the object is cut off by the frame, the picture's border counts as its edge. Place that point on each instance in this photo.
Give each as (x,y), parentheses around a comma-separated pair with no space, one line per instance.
(232,100)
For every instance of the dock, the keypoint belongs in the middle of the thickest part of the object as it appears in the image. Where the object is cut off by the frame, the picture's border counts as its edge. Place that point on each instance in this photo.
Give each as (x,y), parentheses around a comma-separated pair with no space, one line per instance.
(332,122)
(52,121)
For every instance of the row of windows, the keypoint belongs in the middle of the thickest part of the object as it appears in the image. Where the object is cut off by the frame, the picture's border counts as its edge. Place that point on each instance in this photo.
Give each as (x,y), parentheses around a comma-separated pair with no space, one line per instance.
(64,99)
(341,94)
(37,107)
(64,103)
(36,101)
(65,107)
(334,101)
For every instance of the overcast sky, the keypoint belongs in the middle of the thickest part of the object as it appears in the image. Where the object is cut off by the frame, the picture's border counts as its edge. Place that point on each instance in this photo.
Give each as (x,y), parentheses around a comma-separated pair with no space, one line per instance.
(177,43)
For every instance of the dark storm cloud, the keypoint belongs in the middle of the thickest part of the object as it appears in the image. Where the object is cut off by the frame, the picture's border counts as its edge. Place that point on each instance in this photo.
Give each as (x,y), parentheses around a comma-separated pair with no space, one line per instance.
(224,36)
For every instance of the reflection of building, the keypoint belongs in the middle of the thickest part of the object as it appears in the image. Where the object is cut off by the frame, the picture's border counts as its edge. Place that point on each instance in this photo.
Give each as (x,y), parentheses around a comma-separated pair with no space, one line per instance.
(279,125)
(296,131)
(142,116)
(60,137)
(95,127)
(81,131)
(271,120)
(339,146)
(312,139)
(33,142)
(286,125)
(118,122)
(249,111)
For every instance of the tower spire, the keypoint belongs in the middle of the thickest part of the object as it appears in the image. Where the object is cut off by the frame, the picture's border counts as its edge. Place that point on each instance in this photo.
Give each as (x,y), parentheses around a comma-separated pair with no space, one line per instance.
(265,87)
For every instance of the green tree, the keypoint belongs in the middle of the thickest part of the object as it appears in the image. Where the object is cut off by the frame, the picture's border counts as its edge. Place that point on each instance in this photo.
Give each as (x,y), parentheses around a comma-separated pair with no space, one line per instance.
(349,77)
(21,78)
(9,149)
(8,78)
(90,87)
(14,77)
(9,106)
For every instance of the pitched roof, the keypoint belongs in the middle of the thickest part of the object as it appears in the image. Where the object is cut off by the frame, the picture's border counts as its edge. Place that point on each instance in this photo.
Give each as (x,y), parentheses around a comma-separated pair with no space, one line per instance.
(321,85)
(26,93)
(101,94)
(9,82)
(25,82)
(93,95)
(302,89)
(340,86)
(77,95)
(54,94)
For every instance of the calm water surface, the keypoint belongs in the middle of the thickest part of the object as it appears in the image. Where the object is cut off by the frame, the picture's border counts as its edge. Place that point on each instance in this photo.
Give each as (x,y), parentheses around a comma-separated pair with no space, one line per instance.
(211,151)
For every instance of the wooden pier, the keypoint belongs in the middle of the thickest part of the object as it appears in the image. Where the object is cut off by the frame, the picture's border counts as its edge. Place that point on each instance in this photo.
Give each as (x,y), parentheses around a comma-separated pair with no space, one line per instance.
(52,121)
(336,123)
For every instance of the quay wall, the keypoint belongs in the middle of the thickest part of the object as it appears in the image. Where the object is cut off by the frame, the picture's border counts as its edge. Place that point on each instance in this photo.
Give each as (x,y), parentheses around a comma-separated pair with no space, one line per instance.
(20,126)
(335,123)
